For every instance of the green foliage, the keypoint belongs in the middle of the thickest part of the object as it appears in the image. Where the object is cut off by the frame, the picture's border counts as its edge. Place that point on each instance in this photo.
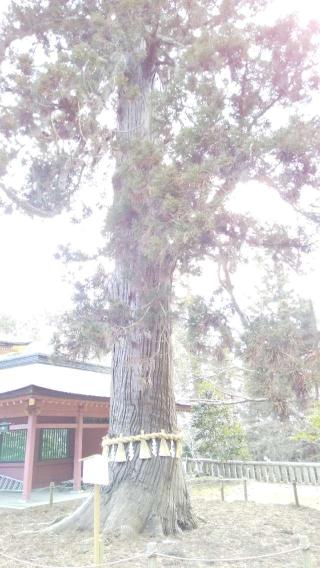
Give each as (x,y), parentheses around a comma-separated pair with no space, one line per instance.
(207,325)
(67,60)
(312,432)
(7,324)
(84,332)
(217,434)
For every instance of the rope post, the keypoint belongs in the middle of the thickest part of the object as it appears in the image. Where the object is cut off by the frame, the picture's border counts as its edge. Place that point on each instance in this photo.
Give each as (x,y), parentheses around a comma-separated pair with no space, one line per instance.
(101,551)
(51,489)
(96,525)
(295,492)
(305,551)
(151,554)
(222,489)
(245,490)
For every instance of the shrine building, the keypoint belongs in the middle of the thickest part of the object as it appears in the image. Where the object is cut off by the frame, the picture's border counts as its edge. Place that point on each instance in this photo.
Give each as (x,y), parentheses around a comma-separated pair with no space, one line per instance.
(53,412)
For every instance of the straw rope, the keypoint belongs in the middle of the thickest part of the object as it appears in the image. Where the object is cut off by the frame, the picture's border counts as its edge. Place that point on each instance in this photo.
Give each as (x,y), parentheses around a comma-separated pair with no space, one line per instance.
(106,441)
(102,565)
(161,555)
(234,559)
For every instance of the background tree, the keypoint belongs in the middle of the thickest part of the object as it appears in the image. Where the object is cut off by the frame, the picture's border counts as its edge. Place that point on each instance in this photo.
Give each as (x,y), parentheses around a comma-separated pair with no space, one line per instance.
(217,434)
(216,430)
(7,325)
(279,350)
(16,329)
(277,344)
(202,341)
(196,88)
(311,433)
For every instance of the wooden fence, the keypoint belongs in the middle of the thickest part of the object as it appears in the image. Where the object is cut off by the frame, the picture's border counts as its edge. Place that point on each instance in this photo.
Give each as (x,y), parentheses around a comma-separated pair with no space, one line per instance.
(270,472)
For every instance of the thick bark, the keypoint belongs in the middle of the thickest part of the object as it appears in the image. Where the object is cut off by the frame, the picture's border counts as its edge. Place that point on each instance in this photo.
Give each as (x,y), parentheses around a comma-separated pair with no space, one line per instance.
(147,494)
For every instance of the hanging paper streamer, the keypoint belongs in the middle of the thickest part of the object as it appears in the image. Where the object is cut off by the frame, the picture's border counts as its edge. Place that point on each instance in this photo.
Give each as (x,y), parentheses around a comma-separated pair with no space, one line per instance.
(105,452)
(144,453)
(112,454)
(154,447)
(163,448)
(121,454)
(131,451)
(169,446)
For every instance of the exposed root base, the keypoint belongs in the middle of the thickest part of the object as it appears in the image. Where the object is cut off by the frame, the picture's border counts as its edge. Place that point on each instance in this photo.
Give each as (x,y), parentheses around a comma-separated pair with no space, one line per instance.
(130,508)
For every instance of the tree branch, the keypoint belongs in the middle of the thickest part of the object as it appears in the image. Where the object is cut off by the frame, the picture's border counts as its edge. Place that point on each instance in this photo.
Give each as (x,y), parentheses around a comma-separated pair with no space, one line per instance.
(265,110)
(170,41)
(225,402)
(228,286)
(30,209)
(221,194)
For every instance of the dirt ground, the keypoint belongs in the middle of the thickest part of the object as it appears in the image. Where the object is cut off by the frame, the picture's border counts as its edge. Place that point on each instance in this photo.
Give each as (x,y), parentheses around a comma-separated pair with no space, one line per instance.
(230,529)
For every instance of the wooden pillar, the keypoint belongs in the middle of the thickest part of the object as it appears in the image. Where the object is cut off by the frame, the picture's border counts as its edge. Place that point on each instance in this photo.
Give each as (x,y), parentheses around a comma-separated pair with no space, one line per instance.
(78,437)
(29,456)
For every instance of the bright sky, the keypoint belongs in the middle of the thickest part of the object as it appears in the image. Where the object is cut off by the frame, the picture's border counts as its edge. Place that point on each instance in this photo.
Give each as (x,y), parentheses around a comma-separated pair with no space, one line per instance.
(33,282)
(306,9)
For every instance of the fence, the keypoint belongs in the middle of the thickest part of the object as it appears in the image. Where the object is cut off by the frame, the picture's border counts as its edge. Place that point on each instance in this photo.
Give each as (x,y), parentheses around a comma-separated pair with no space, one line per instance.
(269,472)
(10,484)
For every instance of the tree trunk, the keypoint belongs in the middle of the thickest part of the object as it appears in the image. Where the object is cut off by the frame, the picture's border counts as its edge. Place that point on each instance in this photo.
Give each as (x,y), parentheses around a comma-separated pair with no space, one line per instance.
(144,494)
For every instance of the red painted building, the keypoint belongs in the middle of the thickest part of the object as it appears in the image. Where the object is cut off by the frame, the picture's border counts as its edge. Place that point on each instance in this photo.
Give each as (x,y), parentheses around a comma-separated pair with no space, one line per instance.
(57,413)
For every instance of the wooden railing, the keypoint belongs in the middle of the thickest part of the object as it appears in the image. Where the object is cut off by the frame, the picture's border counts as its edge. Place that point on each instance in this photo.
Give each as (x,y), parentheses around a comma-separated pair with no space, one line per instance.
(10,484)
(270,472)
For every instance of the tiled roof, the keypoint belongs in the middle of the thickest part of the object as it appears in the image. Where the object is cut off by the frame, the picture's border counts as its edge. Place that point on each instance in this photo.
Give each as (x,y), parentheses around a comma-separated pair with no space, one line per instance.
(34,390)
(14,360)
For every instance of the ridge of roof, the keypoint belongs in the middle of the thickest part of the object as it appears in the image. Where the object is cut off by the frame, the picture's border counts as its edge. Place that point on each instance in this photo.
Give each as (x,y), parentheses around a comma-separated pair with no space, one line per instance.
(4,342)
(40,358)
(33,390)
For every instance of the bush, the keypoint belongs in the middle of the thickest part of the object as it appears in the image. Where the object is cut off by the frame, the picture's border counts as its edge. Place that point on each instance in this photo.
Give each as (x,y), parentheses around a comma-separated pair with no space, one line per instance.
(217,434)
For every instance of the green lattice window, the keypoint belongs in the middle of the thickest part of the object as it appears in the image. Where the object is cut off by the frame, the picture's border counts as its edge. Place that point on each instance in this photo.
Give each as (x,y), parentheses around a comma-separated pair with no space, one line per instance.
(54,443)
(13,446)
